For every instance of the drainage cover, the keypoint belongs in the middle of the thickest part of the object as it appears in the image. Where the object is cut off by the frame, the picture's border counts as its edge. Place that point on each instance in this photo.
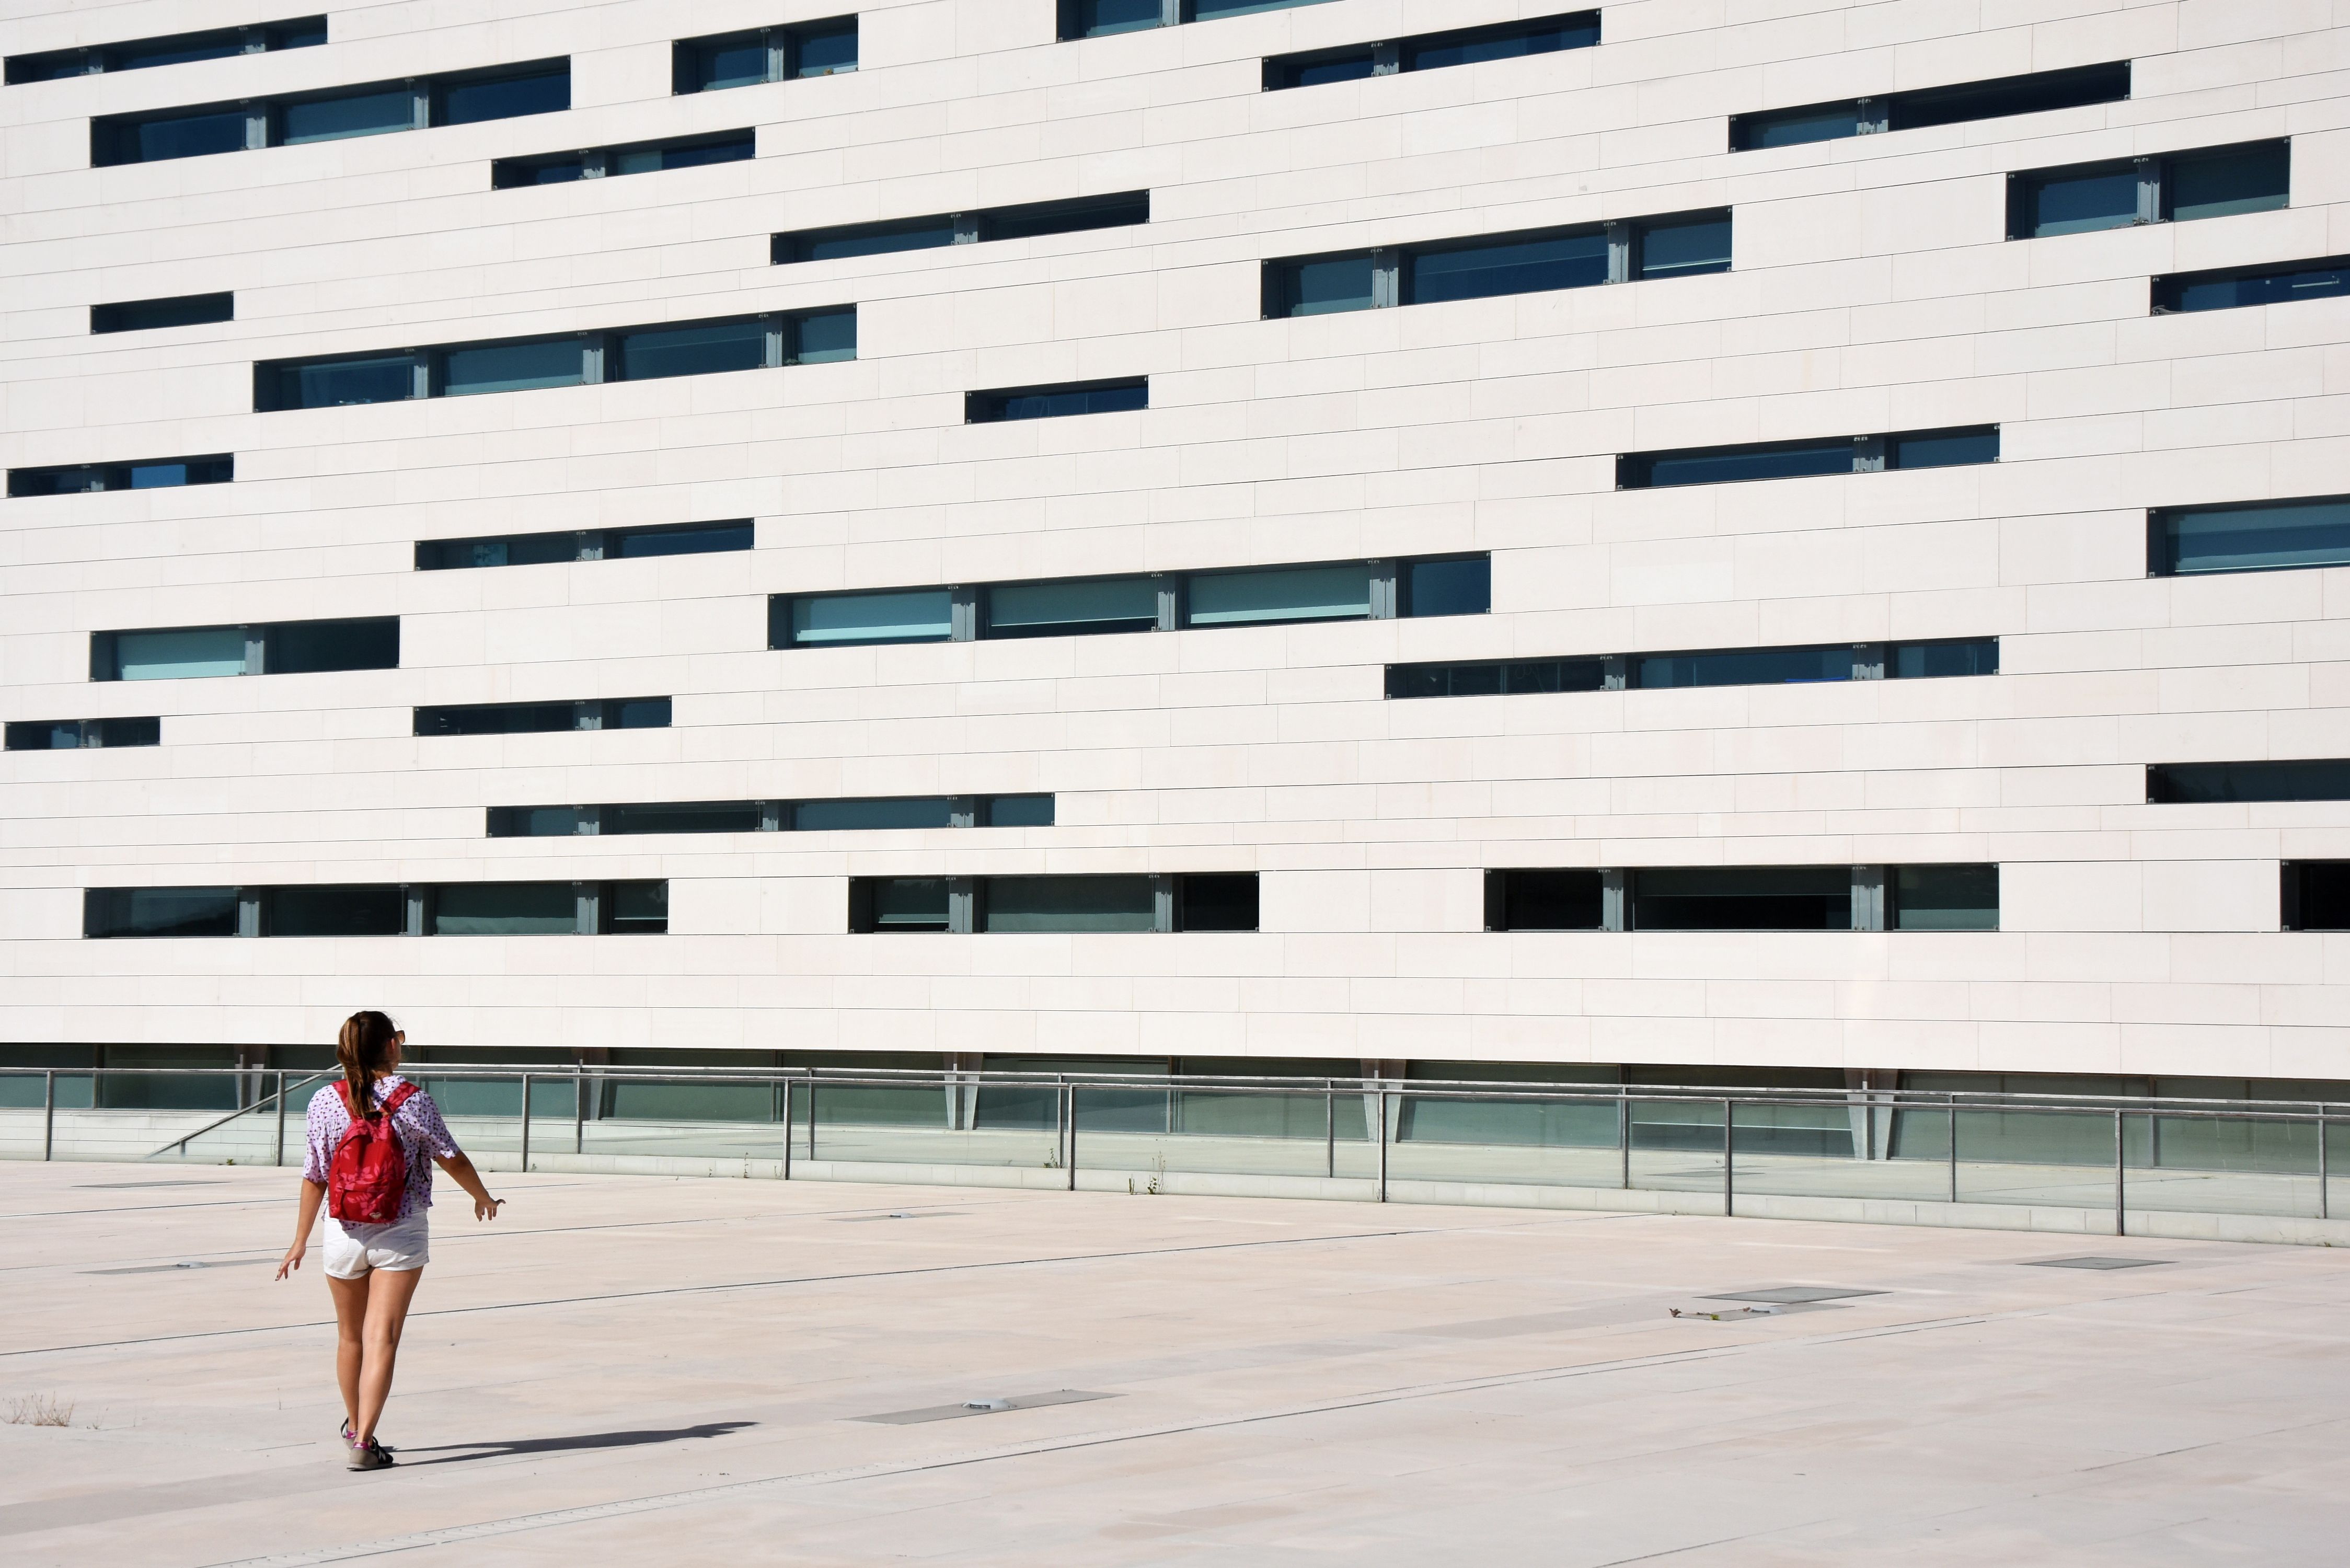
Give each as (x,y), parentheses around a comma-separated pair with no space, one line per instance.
(2095,1263)
(1792,1294)
(989,1407)
(175,1268)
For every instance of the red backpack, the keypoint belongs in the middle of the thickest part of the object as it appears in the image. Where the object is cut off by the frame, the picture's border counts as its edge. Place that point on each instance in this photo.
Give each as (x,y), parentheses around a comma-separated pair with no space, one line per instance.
(369,1172)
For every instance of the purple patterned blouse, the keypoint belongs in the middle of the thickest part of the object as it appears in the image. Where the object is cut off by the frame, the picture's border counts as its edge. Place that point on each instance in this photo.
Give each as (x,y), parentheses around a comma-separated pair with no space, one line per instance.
(417,1125)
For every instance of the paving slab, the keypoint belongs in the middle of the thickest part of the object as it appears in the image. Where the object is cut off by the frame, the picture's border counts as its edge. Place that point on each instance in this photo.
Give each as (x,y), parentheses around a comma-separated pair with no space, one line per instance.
(666,1370)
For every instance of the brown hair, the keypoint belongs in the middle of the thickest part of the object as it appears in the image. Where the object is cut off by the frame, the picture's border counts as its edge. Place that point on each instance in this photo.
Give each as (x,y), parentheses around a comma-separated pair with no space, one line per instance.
(360,1048)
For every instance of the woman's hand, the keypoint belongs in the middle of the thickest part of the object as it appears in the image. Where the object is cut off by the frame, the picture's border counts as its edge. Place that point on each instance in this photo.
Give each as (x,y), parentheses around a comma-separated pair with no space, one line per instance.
(487,1207)
(293,1258)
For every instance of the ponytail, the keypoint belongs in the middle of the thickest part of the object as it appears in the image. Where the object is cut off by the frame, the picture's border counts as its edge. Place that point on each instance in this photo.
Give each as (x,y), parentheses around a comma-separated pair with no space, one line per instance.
(361,1046)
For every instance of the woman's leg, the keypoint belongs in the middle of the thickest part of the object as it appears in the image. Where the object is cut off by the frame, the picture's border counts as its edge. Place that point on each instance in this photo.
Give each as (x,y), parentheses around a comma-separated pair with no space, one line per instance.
(350,1322)
(387,1313)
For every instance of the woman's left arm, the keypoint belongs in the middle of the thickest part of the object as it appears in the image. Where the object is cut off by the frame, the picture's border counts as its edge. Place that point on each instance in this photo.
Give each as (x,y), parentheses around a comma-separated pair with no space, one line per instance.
(305,1214)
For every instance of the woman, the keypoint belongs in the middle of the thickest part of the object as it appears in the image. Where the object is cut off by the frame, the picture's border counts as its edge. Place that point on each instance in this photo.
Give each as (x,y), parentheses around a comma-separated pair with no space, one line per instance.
(372,1270)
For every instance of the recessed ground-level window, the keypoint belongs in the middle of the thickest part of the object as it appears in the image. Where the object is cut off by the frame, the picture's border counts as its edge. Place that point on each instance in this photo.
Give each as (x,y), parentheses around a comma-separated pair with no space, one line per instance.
(1054,905)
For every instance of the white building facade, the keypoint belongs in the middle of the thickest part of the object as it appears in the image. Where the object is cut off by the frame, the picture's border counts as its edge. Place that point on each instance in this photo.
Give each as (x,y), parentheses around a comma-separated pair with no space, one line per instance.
(1656,542)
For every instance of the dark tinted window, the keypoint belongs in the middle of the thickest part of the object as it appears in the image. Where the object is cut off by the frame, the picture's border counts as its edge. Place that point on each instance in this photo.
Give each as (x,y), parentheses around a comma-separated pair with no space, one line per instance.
(1794,127)
(1315,70)
(865,240)
(505,97)
(512,366)
(2013,95)
(1565,901)
(44,735)
(1923,661)
(1742,899)
(1745,666)
(2231,288)
(1018,810)
(1944,899)
(377,912)
(1216,10)
(147,314)
(505,909)
(185,135)
(123,732)
(841,815)
(1319,286)
(2317,896)
(306,647)
(2227,181)
(2078,200)
(1220,902)
(2197,783)
(1723,465)
(1685,247)
(1037,218)
(1069,904)
(635,907)
(683,817)
(1496,680)
(539,718)
(374,113)
(1096,18)
(1056,402)
(662,352)
(179,48)
(897,904)
(695,540)
(1085,608)
(159,473)
(338,383)
(159,912)
(1943,449)
(2256,536)
(823,49)
(1449,588)
(1506,266)
(1473,46)
(740,60)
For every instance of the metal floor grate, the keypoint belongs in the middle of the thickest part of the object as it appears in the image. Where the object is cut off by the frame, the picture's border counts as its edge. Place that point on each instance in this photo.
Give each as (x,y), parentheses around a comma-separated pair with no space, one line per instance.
(1790,1294)
(2096,1262)
(983,1407)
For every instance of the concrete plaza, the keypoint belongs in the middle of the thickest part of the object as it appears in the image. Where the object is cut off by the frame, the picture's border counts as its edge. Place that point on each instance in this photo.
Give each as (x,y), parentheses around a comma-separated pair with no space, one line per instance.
(654,1371)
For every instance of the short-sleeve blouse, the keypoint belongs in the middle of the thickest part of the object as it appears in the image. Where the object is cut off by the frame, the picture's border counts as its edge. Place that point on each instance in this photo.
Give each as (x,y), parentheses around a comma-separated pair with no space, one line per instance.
(417,1125)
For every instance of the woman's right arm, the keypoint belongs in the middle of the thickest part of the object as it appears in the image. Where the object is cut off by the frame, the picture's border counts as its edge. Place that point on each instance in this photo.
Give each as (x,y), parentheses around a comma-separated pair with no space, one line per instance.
(306,1202)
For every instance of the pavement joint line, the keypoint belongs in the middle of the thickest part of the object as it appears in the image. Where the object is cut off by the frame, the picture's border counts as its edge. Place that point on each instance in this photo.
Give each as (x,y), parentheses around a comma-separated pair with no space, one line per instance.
(751,1285)
(657,1502)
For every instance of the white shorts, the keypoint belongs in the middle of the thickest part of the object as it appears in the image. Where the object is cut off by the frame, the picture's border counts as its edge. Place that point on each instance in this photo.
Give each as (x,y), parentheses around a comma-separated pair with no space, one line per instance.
(354,1250)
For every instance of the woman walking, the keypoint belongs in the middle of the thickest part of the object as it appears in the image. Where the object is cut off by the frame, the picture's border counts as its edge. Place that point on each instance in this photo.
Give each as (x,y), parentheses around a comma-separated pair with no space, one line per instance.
(374,1173)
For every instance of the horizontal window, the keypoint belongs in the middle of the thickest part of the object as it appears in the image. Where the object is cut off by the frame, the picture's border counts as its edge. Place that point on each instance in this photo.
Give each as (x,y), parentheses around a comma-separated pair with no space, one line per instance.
(1094,606)
(174,49)
(2234,287)
(1932,897)
(747,59)
(861,815)
(583,545)
(155,473)
(67,735)
(1711,667)
(502,92)
(1966,101)
(1432,51)
(2212,182)
(1029,221)
(2249,536)
(1057,905)
(1795,459)
(380,909)
(1058,402)
(279,648)
(1100,18)
(2204,783)
(149,315)
(1491,266)
(636,158)
(2315,895)
(544,718)
(623,354)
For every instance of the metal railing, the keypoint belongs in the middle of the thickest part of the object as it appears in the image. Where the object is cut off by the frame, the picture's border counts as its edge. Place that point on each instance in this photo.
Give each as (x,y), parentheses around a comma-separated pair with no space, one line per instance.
(1772,1137)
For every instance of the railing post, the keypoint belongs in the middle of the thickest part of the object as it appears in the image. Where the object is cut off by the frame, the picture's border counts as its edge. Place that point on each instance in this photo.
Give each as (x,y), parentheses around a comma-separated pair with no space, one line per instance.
(579,1110)
(49,1112)
(1623,1133)
(1329,1128)
(1383,1143)
(281,1116)
(2324,1181)
(1729,1158)
(1952,1149)
(811,1118)
(525,1121)
(2120,1219)
(787,1129)
(1071,1094)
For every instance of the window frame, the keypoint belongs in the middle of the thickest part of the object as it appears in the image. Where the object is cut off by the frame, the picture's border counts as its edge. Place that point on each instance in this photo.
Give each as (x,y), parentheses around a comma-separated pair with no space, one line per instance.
(104,323)
(784,44)
(1397,56)
(972,227)
(262,640)
(2157,176)
(604,163)
(2162,559)
(587,544)
(988,406)
(2166,289)
(1874,454)
(98,59)
(211,468)
(1881,114)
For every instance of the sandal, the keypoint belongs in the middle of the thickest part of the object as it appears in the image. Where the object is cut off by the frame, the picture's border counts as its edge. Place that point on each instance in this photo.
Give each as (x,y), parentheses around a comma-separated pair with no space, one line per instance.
(369,1456)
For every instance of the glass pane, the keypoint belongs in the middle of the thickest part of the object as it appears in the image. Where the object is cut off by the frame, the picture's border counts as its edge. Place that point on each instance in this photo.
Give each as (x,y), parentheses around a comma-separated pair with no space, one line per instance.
(910,904)
(385,379)
(2325,895)
(694,157)
(1316,73)
(2017,95)
(1502,43)
(844,815)
(332,119)
(1220,902)
(2188,784)
(2280,287)
(127,731)
(1020,811)
(1051,405)
(1320,287)
(823,51)
(1742,899)
(1551,901)
(497,719)
(924,616)
(1946,448)
(638,713)
(1408,681)
(557,173)
(873,239)
(1476,681)
(641,906)
(1066,609)
(1310,593)
(192,136)
(2258,538)
(2252,180)
(163,911)
(1731,465)
(512,366)
(149,315)
(179,655)
(827,338)
(1946,898)
(1097,18)
(534,821)
(693,350)
(337,911)
(297,647)
(504,910)
(306,34)
(2077,203)
(1510,267)
(684,816)
(1215,10)
(1917,660)
(467,102)
(1793,128)
(173,51)
(1069,904)
(1675,250)
(1034,219)
(63,736)
(1745,667)
(739,62)
(634,543)
(158,475)
(1449,588)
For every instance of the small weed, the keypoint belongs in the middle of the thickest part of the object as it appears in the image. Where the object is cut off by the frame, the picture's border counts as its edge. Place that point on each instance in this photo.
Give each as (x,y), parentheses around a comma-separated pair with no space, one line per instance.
(1150,1188)
(36,1410)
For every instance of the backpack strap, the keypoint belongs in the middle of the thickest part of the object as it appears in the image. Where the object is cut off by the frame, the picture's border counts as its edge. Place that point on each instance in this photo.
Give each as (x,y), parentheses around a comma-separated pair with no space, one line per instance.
(397,1097)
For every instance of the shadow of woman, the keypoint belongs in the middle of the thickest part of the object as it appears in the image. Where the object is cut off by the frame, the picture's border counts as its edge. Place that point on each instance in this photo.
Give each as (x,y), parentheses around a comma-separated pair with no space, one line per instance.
(462,1453)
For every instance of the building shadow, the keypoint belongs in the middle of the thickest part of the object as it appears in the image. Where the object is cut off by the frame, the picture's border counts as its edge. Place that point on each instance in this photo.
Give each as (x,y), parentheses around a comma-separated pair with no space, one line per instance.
(460,1453)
